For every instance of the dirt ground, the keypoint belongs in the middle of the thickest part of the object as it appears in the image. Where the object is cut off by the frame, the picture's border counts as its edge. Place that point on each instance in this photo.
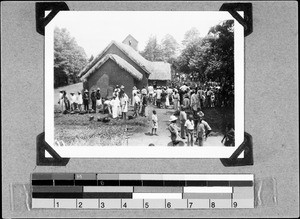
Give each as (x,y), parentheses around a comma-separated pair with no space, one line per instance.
(78,130)
(163,134)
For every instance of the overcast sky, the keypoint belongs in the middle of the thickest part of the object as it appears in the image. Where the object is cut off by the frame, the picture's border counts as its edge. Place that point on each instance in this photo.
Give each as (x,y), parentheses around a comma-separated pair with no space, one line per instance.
(94,30)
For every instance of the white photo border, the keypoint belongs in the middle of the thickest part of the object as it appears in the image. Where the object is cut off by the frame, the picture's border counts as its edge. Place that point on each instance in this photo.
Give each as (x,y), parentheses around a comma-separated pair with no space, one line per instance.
(148,152)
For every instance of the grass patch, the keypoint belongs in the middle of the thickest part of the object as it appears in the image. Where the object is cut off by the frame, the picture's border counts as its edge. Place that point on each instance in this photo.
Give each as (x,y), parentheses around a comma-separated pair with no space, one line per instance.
(77,130)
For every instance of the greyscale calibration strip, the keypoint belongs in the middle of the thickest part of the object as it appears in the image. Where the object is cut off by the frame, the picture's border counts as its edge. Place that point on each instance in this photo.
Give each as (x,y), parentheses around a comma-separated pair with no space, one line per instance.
(141,191)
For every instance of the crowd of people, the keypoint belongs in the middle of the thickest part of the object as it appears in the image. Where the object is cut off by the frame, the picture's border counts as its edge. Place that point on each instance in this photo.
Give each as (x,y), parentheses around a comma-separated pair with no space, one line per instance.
(186,101)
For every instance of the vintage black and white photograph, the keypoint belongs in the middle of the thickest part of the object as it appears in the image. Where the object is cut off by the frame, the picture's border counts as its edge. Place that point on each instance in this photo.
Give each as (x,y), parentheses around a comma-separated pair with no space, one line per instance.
(144,83)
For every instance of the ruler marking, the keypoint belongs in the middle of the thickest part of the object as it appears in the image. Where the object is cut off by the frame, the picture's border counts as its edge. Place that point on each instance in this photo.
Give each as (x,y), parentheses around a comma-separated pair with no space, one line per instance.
(237,183)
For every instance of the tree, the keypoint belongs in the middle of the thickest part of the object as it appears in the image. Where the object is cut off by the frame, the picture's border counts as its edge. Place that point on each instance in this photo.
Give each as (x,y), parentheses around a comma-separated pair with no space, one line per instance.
(152,51)
(69,58)
(169,48)
(211,57)
(190,36)
(221,38)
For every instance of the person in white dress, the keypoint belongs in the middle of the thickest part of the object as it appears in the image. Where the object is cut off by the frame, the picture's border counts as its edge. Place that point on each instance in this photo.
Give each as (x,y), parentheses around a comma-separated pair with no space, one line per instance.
(115,104)
(124,105)
(176,99)
(167,98)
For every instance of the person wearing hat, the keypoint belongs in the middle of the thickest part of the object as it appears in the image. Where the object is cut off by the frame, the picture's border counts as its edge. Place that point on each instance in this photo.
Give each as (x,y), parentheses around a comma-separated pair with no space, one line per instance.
(174,129)
(203,129)
(86,100)
(79,101)
(189,128)
(98,99)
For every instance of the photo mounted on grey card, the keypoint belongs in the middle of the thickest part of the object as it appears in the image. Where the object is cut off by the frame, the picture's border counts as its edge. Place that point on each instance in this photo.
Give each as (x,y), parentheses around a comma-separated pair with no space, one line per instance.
(118,86)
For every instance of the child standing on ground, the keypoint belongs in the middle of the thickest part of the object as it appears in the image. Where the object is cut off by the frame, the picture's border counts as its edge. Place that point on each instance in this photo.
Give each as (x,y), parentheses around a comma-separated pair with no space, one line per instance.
(154,122)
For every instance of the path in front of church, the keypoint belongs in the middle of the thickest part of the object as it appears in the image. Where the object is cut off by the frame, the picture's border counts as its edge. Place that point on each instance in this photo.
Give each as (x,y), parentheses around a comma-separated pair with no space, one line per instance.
(163,137)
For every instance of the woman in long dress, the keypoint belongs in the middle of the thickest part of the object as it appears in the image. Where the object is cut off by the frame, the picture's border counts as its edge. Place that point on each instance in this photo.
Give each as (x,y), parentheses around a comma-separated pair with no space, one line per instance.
(115,103)
(167,100)
(176,99)
(124,105)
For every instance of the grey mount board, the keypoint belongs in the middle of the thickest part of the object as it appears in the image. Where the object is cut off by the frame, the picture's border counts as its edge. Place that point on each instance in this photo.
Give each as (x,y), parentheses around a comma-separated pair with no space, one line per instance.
(271,109)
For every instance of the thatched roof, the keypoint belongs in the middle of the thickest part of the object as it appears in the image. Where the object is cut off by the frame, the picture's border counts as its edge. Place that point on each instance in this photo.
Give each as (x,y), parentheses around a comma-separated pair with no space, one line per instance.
(156,70)
(160,71)
(119,61)
(130,52)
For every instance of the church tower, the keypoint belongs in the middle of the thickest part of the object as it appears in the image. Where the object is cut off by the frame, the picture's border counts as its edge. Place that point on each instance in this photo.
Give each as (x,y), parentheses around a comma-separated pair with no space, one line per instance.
(131,41)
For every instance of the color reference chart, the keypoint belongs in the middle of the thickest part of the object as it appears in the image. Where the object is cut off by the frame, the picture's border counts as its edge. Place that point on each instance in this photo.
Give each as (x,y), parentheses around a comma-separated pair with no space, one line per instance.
(141,191)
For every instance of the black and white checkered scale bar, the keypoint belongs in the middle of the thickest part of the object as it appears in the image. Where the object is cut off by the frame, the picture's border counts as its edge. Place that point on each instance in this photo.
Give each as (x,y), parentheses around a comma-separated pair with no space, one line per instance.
(141,191)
